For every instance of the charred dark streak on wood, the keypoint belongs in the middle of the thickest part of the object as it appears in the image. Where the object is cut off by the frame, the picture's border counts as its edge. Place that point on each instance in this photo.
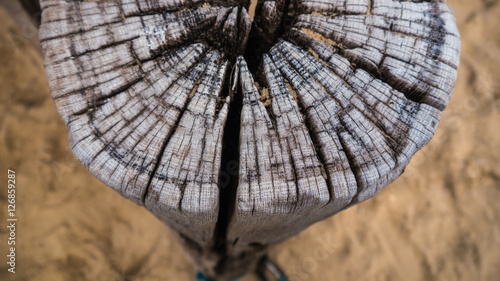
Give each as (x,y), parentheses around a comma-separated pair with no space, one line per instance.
(256,175)
(437,32)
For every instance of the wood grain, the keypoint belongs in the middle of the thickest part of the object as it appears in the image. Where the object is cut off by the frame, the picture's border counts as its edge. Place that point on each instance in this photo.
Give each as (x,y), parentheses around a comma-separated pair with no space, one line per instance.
(238,138)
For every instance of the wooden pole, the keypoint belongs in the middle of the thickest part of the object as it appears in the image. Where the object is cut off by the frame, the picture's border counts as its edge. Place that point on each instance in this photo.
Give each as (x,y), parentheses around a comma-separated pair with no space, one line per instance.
(239,136)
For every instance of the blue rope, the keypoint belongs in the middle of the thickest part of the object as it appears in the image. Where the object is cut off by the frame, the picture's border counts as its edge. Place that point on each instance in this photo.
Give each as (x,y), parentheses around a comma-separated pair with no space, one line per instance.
(202,277)
(283,278)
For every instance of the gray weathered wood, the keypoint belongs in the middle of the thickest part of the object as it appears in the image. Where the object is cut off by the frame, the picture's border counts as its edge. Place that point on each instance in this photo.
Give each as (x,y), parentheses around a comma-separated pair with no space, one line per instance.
(238,147)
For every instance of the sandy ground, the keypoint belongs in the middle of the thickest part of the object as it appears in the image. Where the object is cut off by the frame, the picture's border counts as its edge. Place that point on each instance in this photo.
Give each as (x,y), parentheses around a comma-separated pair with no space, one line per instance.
(439,221)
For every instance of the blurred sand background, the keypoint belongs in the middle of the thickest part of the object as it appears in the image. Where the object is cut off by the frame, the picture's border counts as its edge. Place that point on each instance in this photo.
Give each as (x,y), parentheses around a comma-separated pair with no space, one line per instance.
(439,221)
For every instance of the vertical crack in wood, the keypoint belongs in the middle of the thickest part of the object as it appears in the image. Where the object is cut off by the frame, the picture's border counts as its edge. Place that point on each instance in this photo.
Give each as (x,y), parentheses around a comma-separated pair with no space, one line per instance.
(229,159)
(229,171)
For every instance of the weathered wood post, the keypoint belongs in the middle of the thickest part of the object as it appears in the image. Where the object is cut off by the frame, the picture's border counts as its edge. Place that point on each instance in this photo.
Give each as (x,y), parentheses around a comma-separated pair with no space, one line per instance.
(237,135)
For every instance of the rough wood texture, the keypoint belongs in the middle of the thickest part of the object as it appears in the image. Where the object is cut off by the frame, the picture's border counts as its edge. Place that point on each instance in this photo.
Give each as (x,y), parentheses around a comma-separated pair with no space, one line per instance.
(234,153)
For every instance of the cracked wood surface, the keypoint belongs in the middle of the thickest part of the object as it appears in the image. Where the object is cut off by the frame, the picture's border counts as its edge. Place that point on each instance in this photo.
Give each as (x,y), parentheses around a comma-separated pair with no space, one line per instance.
(239,146)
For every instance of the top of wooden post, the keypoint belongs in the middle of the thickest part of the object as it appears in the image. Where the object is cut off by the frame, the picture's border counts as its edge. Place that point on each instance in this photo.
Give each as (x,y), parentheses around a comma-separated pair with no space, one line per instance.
(239,136)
